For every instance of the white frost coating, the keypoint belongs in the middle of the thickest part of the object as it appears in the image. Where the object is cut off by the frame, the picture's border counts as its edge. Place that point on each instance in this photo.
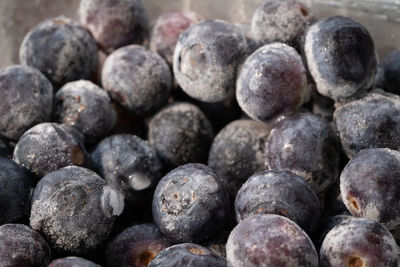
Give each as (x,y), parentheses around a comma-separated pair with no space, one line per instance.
(372,212)
(112,199)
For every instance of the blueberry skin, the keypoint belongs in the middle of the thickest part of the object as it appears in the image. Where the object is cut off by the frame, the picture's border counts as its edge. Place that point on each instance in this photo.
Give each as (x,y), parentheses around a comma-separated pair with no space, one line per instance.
(187,254)
(272,81)
(136,246)
(359,242)
(307,145)
(22,246)
(206,59)
(86,107)
(72,261)
(74,209)
(190,204)
(341,57)
(388,75)
(23,90)
(47,147)
(61,49)
(372,121)
(130,164)
(137,79)
(269,240)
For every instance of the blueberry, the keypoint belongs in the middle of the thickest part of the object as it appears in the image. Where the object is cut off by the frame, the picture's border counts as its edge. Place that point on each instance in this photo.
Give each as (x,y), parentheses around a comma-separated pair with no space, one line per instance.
(137,79)
(269,240)
(238,152)
(341,57)
(136,246)
(359,242)
(61,49)
(47,147)
(187,254)
(23,90)
(22,246)
(114,23)
(206,59)
(307,145)
(181,134)
(74,209)
(272,81)
(85,106)
(130,164)
(190,204)
(388,75)
(72,261)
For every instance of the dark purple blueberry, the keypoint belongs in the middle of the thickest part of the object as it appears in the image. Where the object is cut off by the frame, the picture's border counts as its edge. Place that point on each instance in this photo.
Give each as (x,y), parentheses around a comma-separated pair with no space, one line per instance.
(26,99)
(272,81)
(61,49)
(181,134)
(137,79)
(23,247)
(86,107)
(47,147)
(326,226)
(307,145)
(269,240)
(190,204)
(114,23)
(372,121)
(187,254)
(130,164)
(206,59)
(341,57)
(74,209)
(388,75)
(238,151)
(136,246)
(359,242)
(72,261)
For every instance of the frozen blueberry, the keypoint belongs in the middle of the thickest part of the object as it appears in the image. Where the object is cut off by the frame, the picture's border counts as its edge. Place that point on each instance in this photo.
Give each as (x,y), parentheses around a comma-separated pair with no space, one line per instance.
(26,98)
(74,209)
(272,81)
(72,261)
(388,75)
(130,164)
(137,79)
(238,152)
(359,242)
(372,121)
(136,246)
(22,246)
(166,30)
(282,21)
(326,226)
(341,57)
(206,59)
(187,254)
(269,240)
(307,145)
(114,23)
(87,107)
(190,204)
(181,134)
(61,49)
(47,147)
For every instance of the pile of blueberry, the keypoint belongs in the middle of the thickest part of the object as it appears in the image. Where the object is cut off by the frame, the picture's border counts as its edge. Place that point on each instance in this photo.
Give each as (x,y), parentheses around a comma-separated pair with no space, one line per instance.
(196,143)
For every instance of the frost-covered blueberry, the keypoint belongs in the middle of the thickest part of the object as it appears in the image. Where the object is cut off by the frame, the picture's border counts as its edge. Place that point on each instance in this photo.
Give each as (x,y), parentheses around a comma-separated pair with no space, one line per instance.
(26,99)
(187,254)
(86,107)
(388,75)
(359,242)
(22,246)
(61,49)
(136,246)
(272,81)
(190,204)
(72,261)
(341,57)
(269,240)
(47,147)
(206,59)
(74,209)
(137,79)
(307,145)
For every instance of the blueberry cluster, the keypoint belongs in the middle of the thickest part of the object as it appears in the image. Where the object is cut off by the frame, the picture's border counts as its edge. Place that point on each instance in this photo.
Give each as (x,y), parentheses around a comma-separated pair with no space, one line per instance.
(198,143)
